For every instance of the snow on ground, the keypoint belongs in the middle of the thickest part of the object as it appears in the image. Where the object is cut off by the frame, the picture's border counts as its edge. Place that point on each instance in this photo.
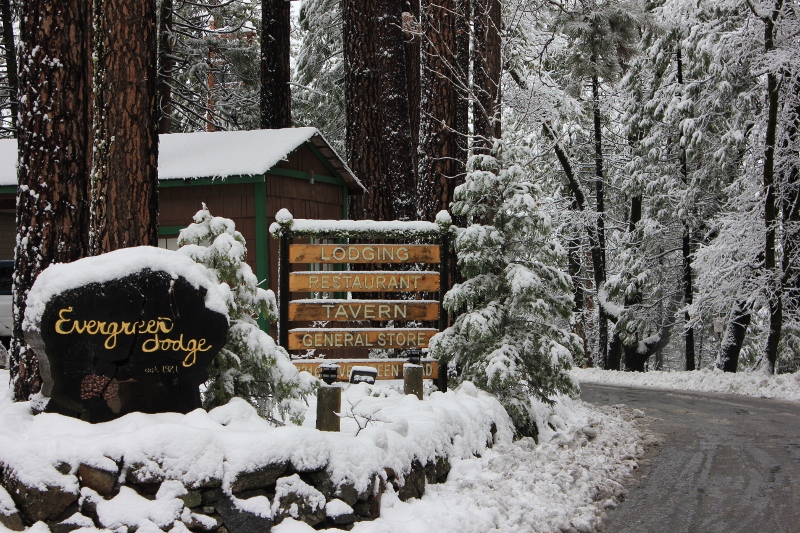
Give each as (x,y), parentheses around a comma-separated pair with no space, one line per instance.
(564,483)
(757,384)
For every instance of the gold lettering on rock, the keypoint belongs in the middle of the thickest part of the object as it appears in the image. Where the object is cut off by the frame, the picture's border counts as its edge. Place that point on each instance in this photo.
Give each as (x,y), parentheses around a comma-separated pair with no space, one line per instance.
(111,330)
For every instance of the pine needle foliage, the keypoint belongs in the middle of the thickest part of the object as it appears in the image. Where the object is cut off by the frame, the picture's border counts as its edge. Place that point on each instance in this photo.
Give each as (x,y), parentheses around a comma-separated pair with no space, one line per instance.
(512,338)
(250,365)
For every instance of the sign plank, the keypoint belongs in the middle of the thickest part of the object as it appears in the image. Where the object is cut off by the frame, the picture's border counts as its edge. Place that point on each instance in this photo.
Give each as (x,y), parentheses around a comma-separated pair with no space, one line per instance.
(363,281)
(306,339)
(342,310)
(387,368)
(363,253)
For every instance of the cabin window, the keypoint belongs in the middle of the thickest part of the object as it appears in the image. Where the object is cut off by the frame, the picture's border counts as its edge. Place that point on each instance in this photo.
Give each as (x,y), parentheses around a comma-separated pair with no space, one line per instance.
(169,243)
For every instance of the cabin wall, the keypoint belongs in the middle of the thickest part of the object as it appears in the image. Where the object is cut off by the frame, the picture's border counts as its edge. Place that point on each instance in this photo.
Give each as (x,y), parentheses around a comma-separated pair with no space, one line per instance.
(177,206)
(304,160)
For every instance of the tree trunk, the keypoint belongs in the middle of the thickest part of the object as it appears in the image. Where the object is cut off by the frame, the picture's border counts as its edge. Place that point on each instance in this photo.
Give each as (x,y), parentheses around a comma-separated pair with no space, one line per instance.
(412,48)
(790,180)
(578,204)
(637,354)
(733,338)
(486,68)
(688,298)
(599,256)
(396,144)
(688,293)
(438,140)
(11,60)
(774,285)
(125,164)
(276,95)
(362,111)
(54,152)
(166,65)
(770,209)
(461,79)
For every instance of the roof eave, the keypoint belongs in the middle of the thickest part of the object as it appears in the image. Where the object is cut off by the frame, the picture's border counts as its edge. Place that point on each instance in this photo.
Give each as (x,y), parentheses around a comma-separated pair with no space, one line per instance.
(354,186)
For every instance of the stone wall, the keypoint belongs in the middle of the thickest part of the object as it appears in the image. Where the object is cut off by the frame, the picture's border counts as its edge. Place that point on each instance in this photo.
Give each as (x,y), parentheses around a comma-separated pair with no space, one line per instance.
(252,503)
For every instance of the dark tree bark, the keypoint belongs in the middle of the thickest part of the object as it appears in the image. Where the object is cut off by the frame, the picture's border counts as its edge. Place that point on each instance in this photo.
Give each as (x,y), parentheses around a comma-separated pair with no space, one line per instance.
(733,338)
(578,204)
(790,180)
(54,143)
(9,45)
(398,170)
(166,65)
(461,77)
(411,28)
(276,95)
(688,292)
(617,348)
(362,105)
(636,355)
(125,164)
(599,256)
(486,68)
(438,139)
(774,289)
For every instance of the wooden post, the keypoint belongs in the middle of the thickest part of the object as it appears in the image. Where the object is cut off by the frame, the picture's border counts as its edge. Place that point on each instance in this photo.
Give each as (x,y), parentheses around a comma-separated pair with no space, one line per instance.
(412,379)
(284,267)
(444,280)
(329,402)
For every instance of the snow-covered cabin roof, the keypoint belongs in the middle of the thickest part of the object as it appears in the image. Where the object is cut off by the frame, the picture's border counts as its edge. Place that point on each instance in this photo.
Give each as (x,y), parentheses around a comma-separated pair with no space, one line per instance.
(218,154)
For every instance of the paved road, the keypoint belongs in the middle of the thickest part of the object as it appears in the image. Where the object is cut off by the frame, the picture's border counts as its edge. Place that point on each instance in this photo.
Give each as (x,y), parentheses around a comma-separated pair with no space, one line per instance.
(728,464)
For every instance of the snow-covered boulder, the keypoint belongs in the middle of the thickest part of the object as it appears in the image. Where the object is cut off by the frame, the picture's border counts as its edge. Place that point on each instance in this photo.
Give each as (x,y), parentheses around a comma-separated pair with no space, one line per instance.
(130,330)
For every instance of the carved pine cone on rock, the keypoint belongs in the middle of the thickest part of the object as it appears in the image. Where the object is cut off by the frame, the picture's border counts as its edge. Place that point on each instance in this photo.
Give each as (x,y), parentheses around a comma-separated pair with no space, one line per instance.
(94,385)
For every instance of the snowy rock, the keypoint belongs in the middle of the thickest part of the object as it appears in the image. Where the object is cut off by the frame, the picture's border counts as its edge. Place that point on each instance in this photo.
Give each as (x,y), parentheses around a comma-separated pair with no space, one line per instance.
(339,513)
(12,521)
(323,482)
(129,509)
(239,517)
(370,508)
(192,498)
(211,495)
(76,521)
(9,515)
(259,478)
(296,499)
(37,502)
(140,341)
(198,521)
(100,480)
(413,484)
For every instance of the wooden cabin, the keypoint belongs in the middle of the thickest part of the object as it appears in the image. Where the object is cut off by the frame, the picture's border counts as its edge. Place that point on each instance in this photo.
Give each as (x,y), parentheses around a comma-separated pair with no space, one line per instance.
(246,176)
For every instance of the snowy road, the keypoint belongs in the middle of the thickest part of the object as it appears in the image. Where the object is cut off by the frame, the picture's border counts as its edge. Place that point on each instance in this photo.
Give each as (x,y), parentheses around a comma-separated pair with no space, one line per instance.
(727,463)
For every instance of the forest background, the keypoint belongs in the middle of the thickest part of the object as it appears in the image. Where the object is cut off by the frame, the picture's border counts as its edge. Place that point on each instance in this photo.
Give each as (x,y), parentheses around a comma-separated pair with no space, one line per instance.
(662,138)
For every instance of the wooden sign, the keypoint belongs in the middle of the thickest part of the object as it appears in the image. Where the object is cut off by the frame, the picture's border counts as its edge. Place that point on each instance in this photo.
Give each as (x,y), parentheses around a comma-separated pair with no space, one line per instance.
(363,281)
(363,253)
(307,339)
(341,310)
(387,368)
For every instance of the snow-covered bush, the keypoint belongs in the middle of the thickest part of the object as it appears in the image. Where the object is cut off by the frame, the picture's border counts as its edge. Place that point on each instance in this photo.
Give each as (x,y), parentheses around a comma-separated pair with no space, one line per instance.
(511,338)
(250,365)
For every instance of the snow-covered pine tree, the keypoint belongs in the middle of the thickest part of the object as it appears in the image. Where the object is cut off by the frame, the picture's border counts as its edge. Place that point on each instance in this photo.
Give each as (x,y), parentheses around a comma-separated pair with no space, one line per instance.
(512,338)
(250,365)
